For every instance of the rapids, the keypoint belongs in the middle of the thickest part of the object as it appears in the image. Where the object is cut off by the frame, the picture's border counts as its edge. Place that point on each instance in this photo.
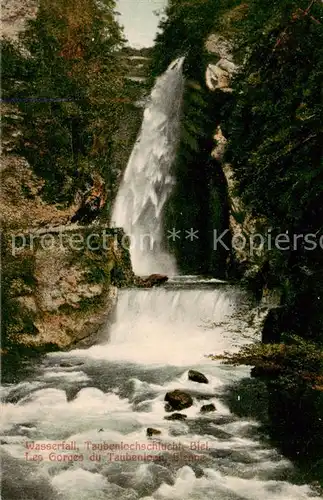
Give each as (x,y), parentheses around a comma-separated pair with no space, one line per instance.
(100,401)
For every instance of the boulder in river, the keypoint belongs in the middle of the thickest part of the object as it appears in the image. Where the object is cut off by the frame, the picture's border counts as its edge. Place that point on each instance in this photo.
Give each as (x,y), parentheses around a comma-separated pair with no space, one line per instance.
(196,376)
(207,408)
(176,416)
(152,280)
(152,432)
(178,400)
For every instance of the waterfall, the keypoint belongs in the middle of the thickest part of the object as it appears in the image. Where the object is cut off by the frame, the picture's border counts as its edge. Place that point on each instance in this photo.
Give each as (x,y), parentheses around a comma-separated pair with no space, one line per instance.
(148,182)
(153,326)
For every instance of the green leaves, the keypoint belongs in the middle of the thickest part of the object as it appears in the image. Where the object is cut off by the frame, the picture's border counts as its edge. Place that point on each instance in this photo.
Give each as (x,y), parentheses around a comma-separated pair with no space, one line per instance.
(296,357)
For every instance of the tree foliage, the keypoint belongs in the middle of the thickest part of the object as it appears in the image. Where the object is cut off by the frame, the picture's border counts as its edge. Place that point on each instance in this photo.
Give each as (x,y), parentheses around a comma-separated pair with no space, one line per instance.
(295,359)
(65,77)
(182,32)
(276,124)
(275,136)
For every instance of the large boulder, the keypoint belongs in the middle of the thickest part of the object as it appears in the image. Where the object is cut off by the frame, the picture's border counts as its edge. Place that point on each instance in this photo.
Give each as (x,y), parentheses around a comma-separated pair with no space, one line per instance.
(178,400)
(207,408)
(152,280)
(196,376)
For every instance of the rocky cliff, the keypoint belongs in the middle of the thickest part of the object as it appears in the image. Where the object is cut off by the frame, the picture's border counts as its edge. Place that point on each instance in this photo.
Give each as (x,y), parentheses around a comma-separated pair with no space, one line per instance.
(247,254)
(60,286)
(60,280)
(14,14)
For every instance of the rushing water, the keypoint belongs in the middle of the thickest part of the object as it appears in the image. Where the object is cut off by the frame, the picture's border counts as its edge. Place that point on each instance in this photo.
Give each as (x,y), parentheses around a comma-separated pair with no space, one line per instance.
(140,23)
(75,428)
(107,396)
(148,181)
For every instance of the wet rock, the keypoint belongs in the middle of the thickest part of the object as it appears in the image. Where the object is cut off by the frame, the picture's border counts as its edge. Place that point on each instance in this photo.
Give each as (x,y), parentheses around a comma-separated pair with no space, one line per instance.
(152,432)
(152,280)
(176,416)
(196,376)
(178,400)
(220,46)
(217,78)
(27,425)
(207,408)
(180,429)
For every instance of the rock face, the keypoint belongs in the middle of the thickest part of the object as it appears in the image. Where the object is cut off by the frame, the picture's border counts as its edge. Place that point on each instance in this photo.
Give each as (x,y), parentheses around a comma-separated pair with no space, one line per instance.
(247,254)
(241,223)
(178,400)
(14,15)
(57,291)
(59,294)
(152,280)
(243,226)
(247,251)
(196,376)
(217,78)
(218,75)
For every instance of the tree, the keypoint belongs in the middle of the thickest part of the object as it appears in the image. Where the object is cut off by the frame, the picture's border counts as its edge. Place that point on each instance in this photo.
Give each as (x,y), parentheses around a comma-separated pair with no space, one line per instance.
(66,78)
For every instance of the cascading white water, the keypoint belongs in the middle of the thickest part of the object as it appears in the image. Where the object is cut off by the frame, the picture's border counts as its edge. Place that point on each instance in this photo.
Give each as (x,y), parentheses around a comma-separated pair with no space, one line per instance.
(148,182)
(152,326)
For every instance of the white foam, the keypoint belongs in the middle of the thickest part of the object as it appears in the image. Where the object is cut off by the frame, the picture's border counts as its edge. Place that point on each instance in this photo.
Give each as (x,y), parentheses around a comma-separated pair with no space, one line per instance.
(215,485)
(79,484)
(72,376)
(161,327)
